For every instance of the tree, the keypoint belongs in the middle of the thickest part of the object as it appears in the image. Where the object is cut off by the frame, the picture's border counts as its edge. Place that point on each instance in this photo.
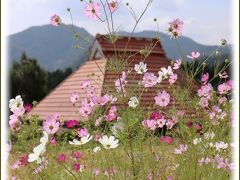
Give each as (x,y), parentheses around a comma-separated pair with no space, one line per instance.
(28,79)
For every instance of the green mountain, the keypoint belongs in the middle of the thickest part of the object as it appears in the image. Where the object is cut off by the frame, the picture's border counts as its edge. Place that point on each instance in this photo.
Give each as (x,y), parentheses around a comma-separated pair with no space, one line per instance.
(53,47)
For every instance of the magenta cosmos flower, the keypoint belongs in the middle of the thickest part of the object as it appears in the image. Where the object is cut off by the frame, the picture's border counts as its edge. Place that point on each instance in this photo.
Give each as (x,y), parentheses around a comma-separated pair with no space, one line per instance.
(156,116)
(27,107)
(92,10)
(61,158)
(167,139)
(162,99)
(55,20)
(149,80)
(51,126)
(71,123)
(77,155)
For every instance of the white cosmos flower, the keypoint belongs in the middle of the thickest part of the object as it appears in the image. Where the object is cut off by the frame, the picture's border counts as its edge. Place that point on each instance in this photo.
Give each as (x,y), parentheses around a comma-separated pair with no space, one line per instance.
(96,149)
(118,126)
(16,103)
(140,68)
(133,102)
(38,151)
(197,141)
(44,139)
(209,135)
(82,141)
(109,142)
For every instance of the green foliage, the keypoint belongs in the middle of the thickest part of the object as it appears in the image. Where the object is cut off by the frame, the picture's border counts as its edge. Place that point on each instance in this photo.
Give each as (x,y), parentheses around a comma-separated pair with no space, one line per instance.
(28,79)
(31,81)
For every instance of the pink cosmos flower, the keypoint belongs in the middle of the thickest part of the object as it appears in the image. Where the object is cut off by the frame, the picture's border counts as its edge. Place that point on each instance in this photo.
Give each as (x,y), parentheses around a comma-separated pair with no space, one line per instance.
(85,111)
(198,127)
(16,165)
(85,84)
(82,132)
(87,102)
(92,10)
(99,100)
(222,100)
(53,141)
(177,64)
(204,161)
(27,107)
(112,113)
(18,111)
(98,121)
(14,123)
(170,123)
(194,55)
(182,148)
(110,172)
(113,5)
(97,137)
(96,172)
(149,80)
(149,124)
(76,167)
(71,123)
(180,113)
(56,116)
(42,166)
(224,88)
(205,78)
(120,83)
(150,176)
(162,99)
(223,75)
(230,83)
(203,102)
(205,91)
(61,158)
(176,27)
(166,139)
(160,122)
(77,155)
(51,126)
(91,92)
(55,20)
(74,97)
(172,79)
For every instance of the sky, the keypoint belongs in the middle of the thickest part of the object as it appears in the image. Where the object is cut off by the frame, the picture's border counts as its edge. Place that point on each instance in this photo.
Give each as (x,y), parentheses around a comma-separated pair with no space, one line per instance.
(205,21)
